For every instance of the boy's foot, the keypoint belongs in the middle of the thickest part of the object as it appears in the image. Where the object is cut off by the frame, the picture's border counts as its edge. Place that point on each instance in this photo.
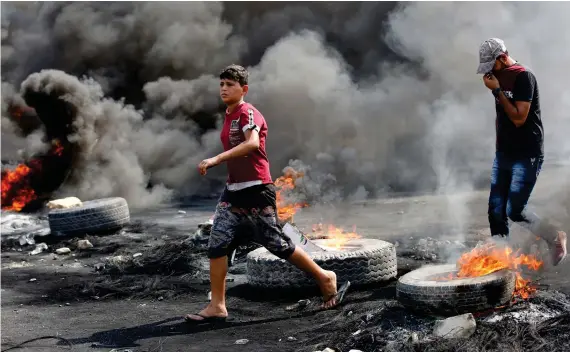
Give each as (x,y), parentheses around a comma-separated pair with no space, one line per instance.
(208,314)
(558,248)
(332,297)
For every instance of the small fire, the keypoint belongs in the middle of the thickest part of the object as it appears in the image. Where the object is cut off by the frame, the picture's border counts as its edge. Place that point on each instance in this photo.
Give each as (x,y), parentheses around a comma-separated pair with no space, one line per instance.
(14,178)
(488,258)
(285,209)
(57,147)
(335,237)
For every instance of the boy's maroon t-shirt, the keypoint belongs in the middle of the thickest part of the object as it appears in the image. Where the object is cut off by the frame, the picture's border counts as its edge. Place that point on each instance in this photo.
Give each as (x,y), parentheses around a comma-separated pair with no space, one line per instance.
(252,169)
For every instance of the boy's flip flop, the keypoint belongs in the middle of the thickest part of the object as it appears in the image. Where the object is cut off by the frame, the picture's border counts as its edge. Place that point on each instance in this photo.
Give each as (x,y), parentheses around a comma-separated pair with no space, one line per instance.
(339,296)
(204,320)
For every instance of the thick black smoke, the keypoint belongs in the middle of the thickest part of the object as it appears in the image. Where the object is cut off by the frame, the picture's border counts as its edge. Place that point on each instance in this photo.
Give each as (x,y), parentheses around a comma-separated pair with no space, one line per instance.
(370,97)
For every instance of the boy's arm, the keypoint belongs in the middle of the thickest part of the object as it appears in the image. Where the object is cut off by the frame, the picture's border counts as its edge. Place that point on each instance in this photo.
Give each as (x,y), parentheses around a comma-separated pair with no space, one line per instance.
(249,123)
(523,92)
(250,144)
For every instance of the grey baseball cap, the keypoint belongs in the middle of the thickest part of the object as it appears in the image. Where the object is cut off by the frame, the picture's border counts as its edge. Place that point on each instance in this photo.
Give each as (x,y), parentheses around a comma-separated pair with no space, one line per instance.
(489,50)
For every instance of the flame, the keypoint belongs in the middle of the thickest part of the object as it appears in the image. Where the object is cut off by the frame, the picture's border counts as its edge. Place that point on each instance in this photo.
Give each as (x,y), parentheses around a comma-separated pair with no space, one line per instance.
(488,258)
(286,209)
(18,111)
(57,147)
(12,179)
(16,189)
(335,237)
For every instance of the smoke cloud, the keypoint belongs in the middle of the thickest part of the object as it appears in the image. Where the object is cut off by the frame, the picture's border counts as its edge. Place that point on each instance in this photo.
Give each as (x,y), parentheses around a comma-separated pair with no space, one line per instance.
(366,97)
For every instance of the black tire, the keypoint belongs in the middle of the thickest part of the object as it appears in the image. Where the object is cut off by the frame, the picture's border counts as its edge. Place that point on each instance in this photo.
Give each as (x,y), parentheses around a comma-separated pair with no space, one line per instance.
(418,290)
(93,216)
(367,261)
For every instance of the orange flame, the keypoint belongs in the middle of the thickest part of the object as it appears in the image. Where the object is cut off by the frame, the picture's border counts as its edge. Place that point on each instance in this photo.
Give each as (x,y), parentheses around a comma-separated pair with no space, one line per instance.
(24,195)
(58,148)
(18,111)
(285,209)
(488,259)
(335,237)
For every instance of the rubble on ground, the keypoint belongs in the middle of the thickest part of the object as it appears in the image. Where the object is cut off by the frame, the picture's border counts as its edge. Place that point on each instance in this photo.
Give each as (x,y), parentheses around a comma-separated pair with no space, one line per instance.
(84,244)
(430,249)
(64,203)
(22,229)
(541,323)
(460,326)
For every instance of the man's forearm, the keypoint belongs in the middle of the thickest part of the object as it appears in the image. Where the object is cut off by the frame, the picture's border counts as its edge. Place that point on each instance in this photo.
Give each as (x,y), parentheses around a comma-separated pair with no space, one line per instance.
(239,150)
(510,109)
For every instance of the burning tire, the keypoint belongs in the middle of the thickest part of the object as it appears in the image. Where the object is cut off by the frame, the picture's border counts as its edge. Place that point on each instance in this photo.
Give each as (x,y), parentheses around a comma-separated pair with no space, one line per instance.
(93,216)
(364,261)
(428,290)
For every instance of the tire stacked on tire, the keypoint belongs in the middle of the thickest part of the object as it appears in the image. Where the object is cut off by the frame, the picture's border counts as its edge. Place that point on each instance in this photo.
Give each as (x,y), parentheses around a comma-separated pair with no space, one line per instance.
(94,216)
(365,261)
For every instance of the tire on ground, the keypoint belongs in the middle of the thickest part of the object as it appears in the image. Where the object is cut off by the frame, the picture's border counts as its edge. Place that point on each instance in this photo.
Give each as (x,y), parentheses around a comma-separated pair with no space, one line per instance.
(93,216)
(365,261)
(418,290)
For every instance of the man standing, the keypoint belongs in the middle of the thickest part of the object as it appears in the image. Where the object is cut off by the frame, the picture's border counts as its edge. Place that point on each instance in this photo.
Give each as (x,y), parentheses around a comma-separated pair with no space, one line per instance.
(519,145)
(249,197)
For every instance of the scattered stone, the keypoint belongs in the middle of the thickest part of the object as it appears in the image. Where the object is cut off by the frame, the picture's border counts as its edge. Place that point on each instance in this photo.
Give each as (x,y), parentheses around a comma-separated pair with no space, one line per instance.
(137,255)
(328,350)
(209,295)
(460,326)
(40,247)
(84,244)
(291,338)
(68,304)
(241,342)
(299,305)
(355,351)
(160,298)
(99,266)
(63,250)
(64,203)
(118,259)
(181,212)
(414,337)
(349,313)
(33,279)
(356,332)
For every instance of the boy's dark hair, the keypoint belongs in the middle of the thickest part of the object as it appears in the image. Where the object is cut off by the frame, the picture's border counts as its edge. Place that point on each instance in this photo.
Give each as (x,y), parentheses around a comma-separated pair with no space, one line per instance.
(235,73)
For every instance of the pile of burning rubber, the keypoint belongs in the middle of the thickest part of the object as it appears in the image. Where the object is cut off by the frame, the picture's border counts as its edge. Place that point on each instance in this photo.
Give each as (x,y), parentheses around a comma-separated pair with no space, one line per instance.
(484,278)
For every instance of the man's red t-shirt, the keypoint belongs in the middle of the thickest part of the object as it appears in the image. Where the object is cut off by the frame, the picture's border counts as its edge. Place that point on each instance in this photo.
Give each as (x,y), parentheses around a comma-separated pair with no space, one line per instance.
(252,169)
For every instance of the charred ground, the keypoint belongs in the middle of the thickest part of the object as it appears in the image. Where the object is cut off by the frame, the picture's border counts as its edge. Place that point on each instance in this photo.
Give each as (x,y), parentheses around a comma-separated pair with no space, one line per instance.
(139,303)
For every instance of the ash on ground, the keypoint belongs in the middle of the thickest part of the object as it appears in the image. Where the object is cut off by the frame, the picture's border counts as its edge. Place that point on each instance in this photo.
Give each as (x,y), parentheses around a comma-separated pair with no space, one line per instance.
(22,229)
(429,249)
(540,323)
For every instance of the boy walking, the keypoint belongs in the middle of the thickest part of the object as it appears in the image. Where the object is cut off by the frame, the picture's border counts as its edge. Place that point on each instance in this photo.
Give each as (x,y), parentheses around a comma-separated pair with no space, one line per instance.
(249,196)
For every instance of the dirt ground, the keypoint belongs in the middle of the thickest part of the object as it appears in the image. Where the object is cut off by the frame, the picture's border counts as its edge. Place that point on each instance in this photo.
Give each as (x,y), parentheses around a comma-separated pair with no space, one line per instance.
(68,301)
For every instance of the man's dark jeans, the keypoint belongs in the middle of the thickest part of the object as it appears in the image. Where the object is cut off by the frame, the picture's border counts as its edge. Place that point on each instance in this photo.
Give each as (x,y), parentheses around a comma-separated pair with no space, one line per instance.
(512,181)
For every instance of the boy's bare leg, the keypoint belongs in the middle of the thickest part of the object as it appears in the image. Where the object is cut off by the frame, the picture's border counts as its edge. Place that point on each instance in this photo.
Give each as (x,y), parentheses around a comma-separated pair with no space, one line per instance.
(325,279)
(217,306)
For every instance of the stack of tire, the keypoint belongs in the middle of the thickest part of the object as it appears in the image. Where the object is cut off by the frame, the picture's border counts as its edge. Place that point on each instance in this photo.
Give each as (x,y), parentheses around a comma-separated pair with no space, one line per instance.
(94,216)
